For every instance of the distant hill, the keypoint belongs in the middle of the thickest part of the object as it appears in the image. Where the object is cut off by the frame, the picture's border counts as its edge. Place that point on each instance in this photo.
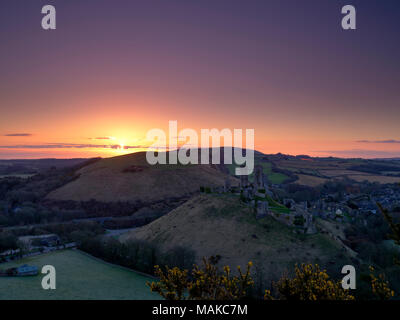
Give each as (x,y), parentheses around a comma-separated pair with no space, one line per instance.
(18,167)
(131,178)
(222,225)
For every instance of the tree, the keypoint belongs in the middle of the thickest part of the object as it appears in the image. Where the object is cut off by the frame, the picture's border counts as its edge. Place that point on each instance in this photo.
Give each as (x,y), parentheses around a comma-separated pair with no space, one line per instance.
(8,241)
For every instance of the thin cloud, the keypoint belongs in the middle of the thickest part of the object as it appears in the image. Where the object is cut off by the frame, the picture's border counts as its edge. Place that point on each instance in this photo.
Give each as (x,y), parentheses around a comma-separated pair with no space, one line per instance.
(102,138)
(360,153)
(380,141)
(18,135)
(71,146)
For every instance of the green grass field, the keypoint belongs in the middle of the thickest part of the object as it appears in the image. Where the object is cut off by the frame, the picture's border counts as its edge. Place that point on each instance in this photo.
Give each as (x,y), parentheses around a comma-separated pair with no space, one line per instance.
(78,276)
(273,177)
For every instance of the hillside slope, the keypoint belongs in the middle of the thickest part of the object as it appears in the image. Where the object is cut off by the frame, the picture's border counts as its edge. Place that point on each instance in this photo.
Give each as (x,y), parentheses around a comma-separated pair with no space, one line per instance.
(221,225)
(131,178)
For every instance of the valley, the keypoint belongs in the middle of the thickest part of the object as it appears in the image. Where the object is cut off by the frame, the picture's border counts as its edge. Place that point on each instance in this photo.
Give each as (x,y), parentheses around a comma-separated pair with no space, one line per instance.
(292,209)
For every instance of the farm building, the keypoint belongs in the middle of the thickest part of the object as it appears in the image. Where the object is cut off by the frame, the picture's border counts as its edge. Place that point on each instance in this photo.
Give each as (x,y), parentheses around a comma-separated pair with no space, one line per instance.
(26,270)
(50,241)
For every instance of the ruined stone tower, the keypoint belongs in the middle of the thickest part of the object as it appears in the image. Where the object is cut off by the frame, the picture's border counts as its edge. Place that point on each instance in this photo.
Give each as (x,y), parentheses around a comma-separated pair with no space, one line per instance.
(244,181)
(227,186)
(259,177)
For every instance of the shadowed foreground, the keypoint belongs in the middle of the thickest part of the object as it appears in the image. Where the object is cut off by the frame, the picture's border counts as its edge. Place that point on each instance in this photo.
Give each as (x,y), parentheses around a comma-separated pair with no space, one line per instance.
(78,276)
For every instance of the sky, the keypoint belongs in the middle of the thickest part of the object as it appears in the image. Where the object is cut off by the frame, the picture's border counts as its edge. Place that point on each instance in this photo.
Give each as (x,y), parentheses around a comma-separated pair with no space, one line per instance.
(114,69)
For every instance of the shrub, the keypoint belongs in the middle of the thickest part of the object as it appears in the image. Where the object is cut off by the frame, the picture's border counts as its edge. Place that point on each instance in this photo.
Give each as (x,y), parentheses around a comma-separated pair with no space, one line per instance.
(380,287)
(309,283)
(299,221)
(207,283)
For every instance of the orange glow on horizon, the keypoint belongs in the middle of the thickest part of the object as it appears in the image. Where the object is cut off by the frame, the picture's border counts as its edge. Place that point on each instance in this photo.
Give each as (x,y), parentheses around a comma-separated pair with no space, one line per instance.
(129,137)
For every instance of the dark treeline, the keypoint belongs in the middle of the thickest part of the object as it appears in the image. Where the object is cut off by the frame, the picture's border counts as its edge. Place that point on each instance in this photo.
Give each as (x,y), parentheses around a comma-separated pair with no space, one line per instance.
(138,255)
(376,168)
(93,208)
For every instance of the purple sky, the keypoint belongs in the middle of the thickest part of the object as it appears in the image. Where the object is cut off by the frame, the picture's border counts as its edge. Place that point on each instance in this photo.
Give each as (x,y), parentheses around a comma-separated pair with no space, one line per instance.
(119,68)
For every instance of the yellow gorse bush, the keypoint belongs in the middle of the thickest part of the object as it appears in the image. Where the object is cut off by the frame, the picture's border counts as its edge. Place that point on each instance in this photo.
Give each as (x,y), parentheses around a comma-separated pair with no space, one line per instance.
(380,287)
(172,284)
(309,283)
(209,283)
(206,283)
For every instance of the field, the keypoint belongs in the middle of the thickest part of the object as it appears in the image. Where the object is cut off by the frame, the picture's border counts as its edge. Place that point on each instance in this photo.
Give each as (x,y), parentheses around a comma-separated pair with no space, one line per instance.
(273,177)
(310,181)
(315,171)
(78,276)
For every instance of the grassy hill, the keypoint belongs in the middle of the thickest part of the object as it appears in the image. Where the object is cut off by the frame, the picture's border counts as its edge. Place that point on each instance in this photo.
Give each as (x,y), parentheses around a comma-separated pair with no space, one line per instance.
(221,225)
(131,178)
(78,276)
